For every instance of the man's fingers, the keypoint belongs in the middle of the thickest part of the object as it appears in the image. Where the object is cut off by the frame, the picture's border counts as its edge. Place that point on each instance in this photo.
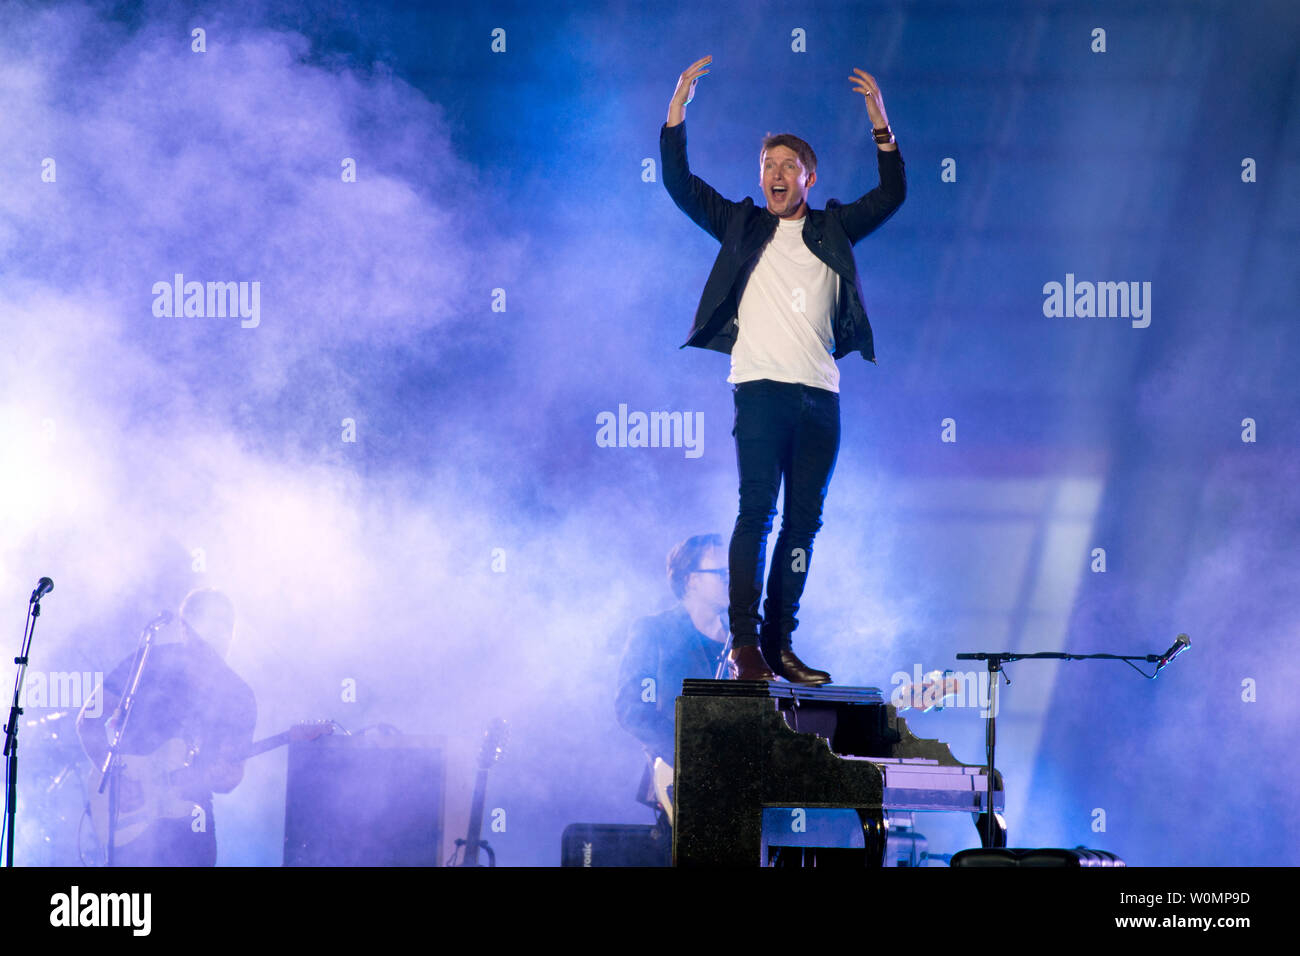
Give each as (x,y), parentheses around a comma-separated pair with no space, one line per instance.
(865,83)
(865,78)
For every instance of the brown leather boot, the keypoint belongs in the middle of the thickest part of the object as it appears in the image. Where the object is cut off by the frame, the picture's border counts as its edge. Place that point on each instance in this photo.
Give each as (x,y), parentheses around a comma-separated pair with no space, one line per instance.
(797,672)
(747,664)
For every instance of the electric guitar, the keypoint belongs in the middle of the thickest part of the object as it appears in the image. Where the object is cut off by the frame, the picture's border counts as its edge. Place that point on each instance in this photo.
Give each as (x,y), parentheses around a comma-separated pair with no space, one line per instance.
(931,694)
(153,786)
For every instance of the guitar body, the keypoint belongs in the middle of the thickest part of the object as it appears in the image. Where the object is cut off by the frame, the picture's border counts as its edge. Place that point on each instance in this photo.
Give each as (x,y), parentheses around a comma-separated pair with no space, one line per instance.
(153,787)
(663,784)
(935,689)
(147,791)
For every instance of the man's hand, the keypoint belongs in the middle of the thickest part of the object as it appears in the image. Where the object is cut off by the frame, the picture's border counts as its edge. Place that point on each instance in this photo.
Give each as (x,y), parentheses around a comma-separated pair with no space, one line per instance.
(685,91)
(225,775)
(220,775)
(865,84)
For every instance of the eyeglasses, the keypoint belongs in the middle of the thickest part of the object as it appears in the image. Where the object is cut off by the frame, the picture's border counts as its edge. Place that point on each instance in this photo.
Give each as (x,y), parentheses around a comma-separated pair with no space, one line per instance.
(721,572)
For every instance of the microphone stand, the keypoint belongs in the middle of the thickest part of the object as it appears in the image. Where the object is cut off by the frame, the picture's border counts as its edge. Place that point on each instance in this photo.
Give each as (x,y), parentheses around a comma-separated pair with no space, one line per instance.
(722,662)
(722,669)
(11,729)
(995,661)
(109,769)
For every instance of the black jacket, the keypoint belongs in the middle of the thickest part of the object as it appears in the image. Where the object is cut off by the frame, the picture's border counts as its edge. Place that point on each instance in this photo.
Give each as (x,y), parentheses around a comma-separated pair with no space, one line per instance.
(743,229)
(666,648)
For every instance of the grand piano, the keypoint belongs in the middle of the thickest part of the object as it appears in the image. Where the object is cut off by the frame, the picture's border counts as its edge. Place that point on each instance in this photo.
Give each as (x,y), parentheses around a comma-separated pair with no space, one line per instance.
(745,746)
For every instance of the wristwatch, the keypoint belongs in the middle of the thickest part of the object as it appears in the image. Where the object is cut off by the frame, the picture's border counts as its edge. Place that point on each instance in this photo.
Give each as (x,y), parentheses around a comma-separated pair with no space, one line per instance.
(884,136)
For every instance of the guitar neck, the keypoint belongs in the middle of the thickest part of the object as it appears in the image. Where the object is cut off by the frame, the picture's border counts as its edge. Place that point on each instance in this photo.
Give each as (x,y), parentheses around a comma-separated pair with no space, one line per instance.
(267,743)
(303,732)
(475,831)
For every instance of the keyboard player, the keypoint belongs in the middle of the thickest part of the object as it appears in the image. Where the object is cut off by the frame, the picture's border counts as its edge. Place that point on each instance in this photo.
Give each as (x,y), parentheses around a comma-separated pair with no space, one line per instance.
(687,640)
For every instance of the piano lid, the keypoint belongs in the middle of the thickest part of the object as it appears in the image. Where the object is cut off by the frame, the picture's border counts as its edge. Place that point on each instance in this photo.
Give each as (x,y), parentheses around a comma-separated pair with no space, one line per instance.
(781,690)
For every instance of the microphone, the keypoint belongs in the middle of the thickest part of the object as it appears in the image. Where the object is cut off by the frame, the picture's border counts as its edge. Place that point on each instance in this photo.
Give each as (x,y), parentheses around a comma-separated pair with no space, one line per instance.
(162,620)
(43,587)
(1178,646)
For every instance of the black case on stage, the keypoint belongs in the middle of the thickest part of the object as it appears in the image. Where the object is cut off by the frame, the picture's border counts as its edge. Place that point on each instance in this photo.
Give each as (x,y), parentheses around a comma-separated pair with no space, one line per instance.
(372,800)
(615,844)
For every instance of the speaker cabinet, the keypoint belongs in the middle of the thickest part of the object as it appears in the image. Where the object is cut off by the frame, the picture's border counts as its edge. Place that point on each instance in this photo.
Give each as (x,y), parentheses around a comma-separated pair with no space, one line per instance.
(615,844)
(374,800)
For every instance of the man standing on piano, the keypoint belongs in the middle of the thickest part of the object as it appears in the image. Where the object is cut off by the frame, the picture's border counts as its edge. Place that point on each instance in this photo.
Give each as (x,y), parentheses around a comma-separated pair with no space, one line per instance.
(784,301)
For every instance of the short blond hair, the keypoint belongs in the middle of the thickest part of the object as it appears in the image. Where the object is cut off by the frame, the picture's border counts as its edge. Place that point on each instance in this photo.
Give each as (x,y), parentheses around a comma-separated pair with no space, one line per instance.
(789,140)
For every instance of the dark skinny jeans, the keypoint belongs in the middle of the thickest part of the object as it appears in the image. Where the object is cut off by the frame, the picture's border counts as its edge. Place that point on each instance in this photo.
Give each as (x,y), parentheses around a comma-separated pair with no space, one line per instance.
(791,433)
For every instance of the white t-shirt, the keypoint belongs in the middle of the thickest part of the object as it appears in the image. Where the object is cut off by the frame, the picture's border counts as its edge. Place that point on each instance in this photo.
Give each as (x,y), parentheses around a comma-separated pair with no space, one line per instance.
(784,320)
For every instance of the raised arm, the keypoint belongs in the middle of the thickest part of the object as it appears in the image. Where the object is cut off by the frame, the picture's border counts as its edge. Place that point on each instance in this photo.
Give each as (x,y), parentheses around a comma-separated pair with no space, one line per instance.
(867,214)
(693,196)
(685,91)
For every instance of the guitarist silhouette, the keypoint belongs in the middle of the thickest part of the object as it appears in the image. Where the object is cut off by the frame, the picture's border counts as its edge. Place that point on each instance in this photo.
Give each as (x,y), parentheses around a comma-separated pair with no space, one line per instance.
(191,724)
